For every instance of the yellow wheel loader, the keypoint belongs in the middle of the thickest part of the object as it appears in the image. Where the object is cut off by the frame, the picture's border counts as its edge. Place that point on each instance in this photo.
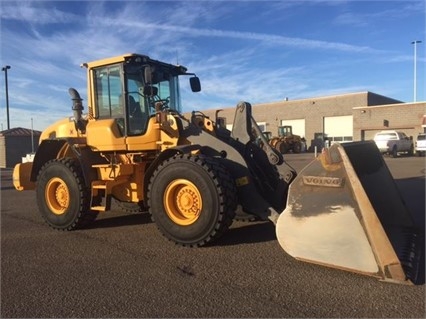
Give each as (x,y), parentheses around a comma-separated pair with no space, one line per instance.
(194,176)
(286,141)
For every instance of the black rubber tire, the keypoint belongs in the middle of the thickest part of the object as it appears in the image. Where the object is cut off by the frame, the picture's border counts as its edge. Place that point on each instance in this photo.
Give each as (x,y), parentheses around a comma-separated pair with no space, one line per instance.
(297,147)
(129,207)
(394,152)
(245,217)
(67,173)
(217,192)
(282,147)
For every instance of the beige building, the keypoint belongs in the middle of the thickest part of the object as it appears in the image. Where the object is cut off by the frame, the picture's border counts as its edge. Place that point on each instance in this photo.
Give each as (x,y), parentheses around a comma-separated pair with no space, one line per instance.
(342,118)
(15,144)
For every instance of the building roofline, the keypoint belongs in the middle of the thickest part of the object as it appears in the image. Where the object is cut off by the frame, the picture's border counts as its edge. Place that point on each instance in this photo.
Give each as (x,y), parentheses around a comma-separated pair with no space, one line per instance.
(19,131)
(366,93)
(387,105)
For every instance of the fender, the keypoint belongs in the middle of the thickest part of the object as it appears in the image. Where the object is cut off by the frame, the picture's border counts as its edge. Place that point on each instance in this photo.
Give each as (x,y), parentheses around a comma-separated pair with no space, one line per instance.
(170,152)
(47,150)
(51,148)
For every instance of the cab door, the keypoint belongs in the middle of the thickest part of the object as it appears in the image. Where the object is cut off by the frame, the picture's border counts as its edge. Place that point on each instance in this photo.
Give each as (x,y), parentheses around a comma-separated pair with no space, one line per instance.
(108,129)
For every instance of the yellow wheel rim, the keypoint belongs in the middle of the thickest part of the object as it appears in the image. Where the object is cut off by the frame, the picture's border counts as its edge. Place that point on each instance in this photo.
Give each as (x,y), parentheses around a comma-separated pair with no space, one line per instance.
(183,202)
(57,196)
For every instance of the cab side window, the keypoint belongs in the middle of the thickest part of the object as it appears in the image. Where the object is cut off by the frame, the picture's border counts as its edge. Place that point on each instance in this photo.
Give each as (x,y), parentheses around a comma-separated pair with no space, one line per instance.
(109,92)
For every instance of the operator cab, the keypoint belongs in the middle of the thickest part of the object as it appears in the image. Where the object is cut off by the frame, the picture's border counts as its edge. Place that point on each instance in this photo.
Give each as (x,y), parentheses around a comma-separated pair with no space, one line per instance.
(128,91)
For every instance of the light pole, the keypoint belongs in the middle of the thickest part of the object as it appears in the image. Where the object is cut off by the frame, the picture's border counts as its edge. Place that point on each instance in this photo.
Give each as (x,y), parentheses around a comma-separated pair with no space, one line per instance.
(415,68)
(5,68)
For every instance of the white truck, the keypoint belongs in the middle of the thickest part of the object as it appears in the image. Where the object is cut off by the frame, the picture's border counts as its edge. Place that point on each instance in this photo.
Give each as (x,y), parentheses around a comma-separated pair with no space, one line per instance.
(421,144)
(393,142)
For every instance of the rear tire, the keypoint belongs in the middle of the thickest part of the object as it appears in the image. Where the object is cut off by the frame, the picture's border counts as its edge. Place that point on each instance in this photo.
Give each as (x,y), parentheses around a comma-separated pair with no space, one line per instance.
(242,216)
(129,207)
(62,196)
(192,199)
(282,147)
(394,153)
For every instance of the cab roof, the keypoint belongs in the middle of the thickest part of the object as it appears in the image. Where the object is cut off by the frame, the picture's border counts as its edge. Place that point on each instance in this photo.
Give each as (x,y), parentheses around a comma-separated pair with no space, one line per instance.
(125,57)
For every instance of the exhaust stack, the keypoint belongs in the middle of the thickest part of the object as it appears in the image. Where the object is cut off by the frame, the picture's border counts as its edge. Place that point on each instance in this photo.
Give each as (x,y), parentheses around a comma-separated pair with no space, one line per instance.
(77,108)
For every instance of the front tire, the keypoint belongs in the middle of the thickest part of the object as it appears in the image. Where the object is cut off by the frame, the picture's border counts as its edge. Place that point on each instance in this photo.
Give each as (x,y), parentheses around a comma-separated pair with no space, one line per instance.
(297,147)
(282,147)
(192,199)
(62,197)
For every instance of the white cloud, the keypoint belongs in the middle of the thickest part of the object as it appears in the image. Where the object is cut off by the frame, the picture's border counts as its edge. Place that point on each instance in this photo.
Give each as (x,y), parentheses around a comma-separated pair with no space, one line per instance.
(262,37)
(26,11)
(371,18)
(249,63)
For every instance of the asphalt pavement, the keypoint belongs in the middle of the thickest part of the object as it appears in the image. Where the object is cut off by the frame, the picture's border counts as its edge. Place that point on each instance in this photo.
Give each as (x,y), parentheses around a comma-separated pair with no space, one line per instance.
(122,267)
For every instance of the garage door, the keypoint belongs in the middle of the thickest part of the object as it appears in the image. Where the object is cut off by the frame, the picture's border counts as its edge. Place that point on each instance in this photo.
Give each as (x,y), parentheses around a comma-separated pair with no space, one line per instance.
(339,128)
(298,126)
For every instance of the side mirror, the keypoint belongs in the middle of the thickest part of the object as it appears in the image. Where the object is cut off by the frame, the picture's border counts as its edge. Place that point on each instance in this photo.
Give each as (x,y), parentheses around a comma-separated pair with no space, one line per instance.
(148,74)
(195,84)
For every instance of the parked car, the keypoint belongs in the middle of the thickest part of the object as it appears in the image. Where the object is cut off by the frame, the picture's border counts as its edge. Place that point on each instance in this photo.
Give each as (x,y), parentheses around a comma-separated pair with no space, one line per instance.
(394,142)
(421,144)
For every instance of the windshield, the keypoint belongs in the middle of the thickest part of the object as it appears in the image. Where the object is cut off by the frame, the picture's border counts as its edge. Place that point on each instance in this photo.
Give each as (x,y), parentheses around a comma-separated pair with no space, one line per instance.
(168,92)
(421,137)
(163,86)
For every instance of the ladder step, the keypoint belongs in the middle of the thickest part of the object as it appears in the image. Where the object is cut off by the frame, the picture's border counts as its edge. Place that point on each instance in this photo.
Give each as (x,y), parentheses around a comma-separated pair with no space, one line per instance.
(105,205)
(98,208)
(99,186)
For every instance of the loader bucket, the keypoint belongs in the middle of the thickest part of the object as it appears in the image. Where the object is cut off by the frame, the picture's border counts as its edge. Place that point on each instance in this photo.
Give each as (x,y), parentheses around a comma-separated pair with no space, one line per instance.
(345,211)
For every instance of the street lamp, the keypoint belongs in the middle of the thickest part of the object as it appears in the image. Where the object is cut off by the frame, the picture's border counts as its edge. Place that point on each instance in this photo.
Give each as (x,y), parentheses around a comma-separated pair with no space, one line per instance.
(415,68)
(5,68)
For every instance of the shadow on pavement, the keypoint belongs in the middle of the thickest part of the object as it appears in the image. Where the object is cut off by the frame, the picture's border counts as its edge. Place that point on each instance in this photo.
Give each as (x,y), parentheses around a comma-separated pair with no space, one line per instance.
(249,232)
(122,220)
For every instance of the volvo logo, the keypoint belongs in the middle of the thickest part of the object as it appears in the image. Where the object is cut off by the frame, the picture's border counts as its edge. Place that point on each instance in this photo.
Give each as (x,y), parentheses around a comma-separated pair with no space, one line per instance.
(323,181)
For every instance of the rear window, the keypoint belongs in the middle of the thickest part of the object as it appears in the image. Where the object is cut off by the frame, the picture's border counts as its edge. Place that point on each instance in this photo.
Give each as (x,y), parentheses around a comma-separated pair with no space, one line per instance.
(385,136)
(421,137)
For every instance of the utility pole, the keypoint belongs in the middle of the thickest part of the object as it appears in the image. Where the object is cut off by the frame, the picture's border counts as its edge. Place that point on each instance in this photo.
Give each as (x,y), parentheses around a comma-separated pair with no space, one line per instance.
(32,137)
(5,68)
(415,68)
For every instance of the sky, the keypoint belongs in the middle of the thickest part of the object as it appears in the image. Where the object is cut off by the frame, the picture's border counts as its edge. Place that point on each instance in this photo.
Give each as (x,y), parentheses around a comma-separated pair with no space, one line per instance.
(256,51)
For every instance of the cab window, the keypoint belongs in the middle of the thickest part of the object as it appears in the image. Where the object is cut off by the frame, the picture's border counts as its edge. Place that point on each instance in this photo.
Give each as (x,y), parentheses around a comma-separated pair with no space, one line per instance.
(109,92)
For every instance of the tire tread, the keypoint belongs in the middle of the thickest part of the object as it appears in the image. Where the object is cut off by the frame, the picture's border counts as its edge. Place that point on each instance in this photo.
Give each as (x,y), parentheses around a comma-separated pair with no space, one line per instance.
(223,183)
